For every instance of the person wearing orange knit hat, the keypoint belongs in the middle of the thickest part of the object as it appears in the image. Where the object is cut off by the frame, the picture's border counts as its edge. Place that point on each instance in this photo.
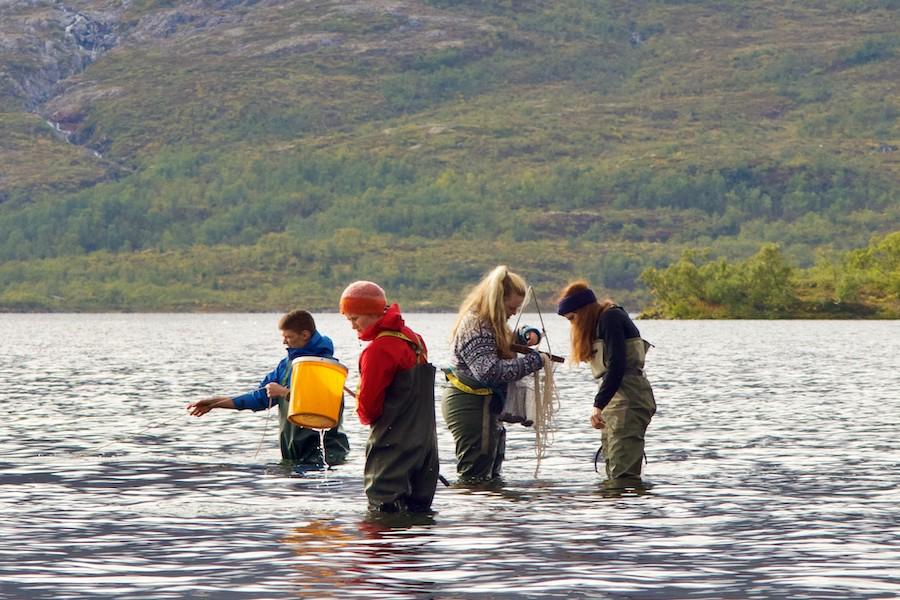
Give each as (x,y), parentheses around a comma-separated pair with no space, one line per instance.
(396,398)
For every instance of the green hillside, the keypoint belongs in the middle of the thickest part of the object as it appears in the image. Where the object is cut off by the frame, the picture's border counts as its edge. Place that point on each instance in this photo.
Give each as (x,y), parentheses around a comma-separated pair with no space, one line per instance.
(865,283)
(229,155)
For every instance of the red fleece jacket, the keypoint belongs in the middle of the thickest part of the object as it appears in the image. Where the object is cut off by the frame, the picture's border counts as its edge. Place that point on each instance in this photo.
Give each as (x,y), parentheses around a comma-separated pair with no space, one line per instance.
(380,362)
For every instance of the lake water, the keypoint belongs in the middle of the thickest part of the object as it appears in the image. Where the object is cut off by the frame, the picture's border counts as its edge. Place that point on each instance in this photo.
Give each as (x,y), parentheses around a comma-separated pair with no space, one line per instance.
(774,461)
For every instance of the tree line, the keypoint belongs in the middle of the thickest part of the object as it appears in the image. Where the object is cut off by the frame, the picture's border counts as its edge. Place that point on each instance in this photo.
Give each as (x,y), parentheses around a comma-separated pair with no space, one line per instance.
(861,283)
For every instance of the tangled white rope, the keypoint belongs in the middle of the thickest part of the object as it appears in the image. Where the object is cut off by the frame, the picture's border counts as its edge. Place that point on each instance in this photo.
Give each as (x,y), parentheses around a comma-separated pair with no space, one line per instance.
(546,403)
(546,397)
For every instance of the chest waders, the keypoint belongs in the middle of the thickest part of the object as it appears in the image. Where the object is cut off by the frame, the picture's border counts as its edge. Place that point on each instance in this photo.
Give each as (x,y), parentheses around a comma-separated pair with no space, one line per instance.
(301,445)
(628,413)
(402,467)
(479,435)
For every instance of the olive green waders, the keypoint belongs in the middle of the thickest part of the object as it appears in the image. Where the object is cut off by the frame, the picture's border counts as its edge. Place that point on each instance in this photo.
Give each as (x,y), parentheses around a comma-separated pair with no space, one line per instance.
(402,467)
(628,414)
(302,445)
(480,437)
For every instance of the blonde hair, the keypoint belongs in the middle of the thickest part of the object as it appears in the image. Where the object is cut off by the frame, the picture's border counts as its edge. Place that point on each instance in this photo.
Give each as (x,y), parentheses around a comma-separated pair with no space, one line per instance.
(584,325)
(486,302)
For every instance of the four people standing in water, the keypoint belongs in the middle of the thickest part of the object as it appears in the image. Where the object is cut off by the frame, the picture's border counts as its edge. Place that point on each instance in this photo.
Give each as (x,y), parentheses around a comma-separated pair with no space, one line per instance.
(396,388)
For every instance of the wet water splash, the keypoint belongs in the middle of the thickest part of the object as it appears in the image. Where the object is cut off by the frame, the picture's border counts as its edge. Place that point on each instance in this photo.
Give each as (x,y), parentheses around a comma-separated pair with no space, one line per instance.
(774,461)
(322,443)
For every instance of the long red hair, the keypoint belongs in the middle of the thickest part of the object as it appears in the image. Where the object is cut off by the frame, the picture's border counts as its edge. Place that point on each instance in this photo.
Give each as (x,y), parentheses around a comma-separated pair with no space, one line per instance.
(584,325)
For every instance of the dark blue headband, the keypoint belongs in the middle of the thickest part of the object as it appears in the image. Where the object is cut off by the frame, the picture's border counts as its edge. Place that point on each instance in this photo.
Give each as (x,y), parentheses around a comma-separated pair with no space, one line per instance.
(573,302)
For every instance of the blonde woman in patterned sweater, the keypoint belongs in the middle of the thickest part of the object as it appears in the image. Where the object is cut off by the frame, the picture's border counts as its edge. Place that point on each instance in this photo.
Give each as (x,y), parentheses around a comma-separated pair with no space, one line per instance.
(483,365)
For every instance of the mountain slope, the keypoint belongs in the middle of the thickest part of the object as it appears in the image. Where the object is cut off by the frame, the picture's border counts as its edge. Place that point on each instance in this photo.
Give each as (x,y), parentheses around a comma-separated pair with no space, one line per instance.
(292,146)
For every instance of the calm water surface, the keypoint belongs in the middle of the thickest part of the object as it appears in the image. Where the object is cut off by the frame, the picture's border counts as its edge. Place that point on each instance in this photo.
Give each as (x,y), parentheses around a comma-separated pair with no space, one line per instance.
(774,461)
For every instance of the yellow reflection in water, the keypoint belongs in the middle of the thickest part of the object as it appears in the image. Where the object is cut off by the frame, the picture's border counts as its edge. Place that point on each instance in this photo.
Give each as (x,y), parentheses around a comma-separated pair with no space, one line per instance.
(314,543)
(331,556)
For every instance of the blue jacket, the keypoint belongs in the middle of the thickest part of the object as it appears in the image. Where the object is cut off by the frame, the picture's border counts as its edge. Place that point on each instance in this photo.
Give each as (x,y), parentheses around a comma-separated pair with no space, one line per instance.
(318,345)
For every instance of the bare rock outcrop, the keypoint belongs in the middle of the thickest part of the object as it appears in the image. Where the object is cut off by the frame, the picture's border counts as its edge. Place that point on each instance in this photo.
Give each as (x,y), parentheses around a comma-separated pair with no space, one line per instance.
(46,42)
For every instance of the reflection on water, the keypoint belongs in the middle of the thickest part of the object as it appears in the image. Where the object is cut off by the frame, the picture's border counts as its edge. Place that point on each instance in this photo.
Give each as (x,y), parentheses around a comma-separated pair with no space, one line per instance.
(774,464)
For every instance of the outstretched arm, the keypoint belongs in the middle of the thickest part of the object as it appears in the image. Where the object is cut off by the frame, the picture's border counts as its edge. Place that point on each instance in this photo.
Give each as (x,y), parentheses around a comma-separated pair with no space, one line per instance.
(201,407)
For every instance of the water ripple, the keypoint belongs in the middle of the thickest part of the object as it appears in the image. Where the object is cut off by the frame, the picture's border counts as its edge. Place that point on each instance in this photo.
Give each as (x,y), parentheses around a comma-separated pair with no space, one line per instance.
(773,459)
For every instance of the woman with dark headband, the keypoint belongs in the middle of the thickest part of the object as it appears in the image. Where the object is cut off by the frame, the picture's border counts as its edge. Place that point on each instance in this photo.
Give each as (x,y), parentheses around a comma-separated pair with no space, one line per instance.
(604,336)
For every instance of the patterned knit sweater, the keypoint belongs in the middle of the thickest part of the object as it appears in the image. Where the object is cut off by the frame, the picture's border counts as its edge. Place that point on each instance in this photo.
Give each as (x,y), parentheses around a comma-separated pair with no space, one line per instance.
(475,355)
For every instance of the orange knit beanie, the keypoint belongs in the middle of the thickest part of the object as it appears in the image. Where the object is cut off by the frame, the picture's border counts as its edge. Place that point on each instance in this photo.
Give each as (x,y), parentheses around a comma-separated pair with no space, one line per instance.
(363,298)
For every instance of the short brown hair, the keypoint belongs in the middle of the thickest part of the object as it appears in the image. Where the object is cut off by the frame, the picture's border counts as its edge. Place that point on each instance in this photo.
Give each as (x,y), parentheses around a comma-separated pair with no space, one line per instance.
(297,321)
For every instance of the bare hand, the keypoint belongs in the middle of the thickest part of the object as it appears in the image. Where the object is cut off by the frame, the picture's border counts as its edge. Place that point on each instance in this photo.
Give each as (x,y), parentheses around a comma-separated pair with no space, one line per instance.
(275,390)
(597,421)
(201,407)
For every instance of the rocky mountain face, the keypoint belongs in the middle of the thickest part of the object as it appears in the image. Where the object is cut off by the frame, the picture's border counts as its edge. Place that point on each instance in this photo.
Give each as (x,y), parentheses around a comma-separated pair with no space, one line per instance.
(46,42)
(46,45)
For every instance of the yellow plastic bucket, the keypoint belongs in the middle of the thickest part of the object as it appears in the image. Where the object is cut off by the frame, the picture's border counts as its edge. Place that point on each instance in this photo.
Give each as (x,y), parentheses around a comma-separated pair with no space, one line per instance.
(317,390)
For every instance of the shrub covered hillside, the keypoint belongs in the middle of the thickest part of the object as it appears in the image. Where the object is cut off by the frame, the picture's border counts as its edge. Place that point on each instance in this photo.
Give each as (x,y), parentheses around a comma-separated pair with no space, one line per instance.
(235,155)
(864,283)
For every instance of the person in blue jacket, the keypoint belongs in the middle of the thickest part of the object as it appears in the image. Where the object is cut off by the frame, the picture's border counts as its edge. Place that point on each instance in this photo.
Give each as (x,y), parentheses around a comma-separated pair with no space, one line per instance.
(298,444)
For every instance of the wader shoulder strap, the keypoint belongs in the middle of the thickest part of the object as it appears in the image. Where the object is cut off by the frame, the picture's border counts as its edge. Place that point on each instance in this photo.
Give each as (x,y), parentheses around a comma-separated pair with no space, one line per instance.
(418,346)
